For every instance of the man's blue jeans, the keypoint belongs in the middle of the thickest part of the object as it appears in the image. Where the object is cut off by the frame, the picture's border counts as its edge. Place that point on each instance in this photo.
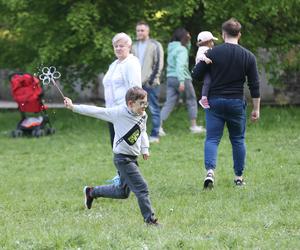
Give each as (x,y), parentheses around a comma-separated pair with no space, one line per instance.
(231,112)
(153,93)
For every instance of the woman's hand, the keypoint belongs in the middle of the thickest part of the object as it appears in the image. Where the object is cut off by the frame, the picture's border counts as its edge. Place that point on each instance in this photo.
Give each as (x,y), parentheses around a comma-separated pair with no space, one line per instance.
(181,87)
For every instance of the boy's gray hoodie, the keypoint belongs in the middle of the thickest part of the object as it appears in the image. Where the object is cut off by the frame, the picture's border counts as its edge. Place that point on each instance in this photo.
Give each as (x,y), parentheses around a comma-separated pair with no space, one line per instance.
(130,129)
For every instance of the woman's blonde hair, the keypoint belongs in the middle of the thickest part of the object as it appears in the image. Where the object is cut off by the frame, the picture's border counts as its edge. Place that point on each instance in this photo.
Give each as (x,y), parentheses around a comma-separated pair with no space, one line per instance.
(122,36)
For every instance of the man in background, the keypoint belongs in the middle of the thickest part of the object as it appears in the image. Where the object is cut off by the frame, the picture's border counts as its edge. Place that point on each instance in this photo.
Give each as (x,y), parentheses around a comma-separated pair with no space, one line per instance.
(151,56)
(232,66)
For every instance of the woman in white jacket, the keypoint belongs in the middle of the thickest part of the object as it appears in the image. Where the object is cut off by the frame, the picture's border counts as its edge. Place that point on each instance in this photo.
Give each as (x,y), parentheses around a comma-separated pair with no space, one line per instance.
(123,73)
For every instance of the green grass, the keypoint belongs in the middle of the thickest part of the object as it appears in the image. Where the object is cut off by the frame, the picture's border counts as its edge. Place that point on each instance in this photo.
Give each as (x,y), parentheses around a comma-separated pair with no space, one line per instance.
(41,200)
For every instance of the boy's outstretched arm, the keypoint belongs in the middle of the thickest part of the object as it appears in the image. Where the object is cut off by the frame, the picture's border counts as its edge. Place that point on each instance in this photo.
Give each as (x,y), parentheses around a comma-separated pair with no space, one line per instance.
(68,103)
(106,114)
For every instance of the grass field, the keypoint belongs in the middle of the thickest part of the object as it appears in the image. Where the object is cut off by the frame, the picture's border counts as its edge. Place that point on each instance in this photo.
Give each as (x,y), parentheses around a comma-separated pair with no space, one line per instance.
(41,200)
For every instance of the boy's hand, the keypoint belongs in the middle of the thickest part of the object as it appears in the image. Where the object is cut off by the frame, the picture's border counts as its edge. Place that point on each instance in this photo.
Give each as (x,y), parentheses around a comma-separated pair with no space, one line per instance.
(145,156)
(68,103)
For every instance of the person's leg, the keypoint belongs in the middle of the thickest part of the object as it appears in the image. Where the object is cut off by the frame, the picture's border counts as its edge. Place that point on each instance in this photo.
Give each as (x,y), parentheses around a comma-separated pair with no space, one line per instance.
(206,84)
(236,124)
(153,93)
(205,88)
(214,132)
(191,100)
(111,133)
(192,106)
(129,171)
(113,191)
(171,98)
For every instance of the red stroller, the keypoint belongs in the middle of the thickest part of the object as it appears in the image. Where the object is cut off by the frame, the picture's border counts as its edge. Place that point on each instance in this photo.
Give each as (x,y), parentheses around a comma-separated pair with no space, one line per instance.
(27,92)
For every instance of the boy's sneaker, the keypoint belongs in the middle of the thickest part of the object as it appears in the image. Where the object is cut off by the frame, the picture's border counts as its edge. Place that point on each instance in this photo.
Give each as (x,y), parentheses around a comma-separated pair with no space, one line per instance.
(153,139)
(152,222)
(209,181)
(88,201)
(239,182)
(197,129)
(204,103)
(161,132)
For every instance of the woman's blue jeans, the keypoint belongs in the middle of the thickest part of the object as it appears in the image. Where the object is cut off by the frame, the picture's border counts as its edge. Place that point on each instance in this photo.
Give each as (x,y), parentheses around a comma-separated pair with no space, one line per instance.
(231,112)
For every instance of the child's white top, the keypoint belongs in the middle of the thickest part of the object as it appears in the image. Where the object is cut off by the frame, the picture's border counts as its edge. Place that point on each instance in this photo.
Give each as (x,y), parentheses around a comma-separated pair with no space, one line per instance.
(124,120)
(201,53)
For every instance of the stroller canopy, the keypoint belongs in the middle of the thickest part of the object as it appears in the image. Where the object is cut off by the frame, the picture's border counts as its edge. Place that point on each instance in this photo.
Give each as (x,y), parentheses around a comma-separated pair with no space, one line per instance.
(26,91)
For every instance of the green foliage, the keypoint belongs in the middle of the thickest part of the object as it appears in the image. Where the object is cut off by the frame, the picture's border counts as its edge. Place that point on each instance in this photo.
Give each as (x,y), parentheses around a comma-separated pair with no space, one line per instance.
(266,24)
(41,200)
(76,35)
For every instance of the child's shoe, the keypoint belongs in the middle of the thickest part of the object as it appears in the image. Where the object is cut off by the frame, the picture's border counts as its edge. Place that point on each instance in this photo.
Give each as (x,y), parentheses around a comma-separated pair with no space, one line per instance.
(88,199)
(204,102)
(152,222)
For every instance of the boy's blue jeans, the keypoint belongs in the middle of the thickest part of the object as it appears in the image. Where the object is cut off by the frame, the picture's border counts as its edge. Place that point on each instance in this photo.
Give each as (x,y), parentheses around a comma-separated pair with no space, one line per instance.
(231,112)
(154,108)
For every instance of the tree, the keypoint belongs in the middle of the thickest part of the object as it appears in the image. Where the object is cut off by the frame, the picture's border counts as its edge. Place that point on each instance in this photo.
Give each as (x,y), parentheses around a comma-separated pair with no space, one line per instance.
(75,35)
(271,25)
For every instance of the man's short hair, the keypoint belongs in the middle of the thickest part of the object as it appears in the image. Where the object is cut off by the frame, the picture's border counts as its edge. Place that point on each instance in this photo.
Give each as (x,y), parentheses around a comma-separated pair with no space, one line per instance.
(143,23)
(232,27)
(135,93)
(122,36)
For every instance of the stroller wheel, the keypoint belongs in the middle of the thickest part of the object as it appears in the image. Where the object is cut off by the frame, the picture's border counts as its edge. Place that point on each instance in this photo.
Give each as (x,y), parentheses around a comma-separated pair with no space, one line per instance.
(38,132)
(33,132)
(50,131)
(16,133)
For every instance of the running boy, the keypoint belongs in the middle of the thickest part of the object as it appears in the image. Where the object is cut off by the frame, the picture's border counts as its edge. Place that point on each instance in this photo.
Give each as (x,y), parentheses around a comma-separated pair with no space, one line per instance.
(130,141)
(205,42)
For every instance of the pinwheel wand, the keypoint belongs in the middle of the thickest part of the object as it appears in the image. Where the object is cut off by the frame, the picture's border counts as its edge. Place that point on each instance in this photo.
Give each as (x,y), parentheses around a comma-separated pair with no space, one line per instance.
(49,74)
